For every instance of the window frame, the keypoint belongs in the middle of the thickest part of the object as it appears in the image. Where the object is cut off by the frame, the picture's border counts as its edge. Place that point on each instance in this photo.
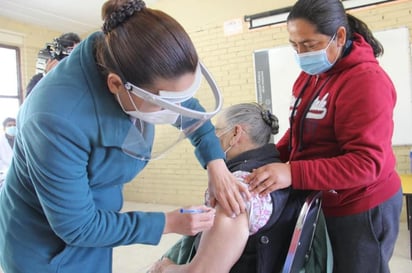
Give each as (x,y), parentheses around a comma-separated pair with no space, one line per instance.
(19,94)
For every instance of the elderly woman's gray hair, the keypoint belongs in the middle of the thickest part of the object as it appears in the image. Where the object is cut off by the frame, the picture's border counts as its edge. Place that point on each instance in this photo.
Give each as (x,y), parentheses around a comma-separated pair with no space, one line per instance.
(258,122)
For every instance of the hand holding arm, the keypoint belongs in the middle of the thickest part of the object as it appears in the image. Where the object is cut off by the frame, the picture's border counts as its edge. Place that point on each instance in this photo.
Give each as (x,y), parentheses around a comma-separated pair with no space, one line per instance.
(223,188)
(270,177)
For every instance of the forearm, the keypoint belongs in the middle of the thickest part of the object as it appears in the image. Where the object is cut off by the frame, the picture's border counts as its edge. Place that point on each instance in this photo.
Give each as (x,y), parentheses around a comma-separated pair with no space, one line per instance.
(222,245)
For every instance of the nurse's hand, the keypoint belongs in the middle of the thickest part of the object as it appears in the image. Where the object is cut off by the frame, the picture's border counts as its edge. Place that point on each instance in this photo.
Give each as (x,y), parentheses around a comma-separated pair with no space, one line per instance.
(269,178)
(224,188)
(189,221)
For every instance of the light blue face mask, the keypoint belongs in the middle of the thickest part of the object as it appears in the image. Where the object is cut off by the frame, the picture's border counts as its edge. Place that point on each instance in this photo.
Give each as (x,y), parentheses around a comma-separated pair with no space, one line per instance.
(315,62)
(11,131)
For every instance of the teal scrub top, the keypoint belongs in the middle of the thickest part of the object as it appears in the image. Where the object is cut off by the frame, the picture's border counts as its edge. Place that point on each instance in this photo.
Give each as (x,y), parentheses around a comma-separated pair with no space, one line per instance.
(59,208)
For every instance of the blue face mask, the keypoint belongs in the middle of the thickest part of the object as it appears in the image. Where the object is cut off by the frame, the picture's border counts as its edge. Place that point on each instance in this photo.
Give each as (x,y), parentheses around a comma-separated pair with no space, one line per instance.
(315,62)
(11,131)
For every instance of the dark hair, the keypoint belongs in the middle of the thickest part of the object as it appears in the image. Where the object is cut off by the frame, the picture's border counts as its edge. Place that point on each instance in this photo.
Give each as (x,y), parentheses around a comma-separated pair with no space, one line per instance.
(69,39)
(329,15)
(7,120)
(142,44)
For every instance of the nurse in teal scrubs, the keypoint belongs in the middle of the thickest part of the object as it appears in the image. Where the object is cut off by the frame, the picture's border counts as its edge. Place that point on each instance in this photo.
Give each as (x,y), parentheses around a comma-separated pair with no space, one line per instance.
(88,128)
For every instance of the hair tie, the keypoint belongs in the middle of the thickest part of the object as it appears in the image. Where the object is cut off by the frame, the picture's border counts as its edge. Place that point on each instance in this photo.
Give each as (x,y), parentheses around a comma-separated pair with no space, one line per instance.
(270,120)
(266,117)
(120,15)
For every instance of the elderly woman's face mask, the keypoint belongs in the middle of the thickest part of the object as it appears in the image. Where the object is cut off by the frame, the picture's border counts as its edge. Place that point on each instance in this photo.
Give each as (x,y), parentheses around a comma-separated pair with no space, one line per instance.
(224,135)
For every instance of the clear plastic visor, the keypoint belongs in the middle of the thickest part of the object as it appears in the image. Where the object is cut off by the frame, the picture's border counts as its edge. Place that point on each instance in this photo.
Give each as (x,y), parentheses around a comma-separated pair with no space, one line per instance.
(180,114)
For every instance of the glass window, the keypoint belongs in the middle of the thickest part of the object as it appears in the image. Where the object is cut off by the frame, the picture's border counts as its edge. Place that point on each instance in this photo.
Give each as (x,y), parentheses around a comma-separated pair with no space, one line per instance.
(10,87)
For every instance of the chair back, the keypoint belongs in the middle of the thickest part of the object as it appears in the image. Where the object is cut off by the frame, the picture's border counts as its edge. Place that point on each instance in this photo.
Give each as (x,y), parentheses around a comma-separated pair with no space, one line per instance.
(302,238)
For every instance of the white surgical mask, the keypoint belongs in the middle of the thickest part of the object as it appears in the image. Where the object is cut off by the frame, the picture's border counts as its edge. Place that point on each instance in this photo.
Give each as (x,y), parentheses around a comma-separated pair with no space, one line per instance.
(220,134)
(315,62)
(227,150)
(11,131)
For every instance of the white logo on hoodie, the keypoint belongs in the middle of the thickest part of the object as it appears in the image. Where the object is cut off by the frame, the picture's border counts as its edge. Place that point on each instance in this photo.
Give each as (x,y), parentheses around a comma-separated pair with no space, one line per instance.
(318,108)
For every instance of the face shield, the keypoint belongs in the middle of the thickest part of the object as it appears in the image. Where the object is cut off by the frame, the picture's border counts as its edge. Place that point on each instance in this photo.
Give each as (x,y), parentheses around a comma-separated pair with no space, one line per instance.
(162,121)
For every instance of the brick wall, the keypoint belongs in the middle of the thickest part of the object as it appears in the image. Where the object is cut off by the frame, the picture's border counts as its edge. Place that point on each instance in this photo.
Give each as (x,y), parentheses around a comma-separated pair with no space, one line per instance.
(178,178)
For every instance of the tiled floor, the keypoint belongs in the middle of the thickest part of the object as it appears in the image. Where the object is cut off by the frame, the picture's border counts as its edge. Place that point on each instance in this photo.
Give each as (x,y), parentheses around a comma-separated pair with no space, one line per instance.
(137,258)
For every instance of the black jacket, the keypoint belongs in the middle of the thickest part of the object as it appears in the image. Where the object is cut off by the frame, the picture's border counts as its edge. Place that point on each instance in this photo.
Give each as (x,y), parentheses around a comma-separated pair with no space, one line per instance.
(266,250)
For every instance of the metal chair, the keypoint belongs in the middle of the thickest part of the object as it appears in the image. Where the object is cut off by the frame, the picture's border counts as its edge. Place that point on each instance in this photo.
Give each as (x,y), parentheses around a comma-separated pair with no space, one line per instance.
(302,238)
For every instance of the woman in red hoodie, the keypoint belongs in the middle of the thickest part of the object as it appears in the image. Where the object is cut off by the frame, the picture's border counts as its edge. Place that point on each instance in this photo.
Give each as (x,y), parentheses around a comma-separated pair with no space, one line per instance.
(339,140)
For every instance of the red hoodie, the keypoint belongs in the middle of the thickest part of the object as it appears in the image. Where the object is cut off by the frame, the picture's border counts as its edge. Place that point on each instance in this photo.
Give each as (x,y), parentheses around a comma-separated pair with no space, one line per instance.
(342,132)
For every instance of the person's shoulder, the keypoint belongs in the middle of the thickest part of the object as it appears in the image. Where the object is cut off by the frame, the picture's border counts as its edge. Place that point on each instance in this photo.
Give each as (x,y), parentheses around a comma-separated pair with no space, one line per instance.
(33,82)
(37,76)
(91,40)
(3,138)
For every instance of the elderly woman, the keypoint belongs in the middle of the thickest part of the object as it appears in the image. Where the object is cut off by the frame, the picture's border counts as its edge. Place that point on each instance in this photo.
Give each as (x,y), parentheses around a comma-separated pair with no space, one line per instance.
(234,244)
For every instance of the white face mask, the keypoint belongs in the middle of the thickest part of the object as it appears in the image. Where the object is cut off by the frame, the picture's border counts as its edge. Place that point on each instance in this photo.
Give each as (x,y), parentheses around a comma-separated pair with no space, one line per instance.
(227,150)
(11,131)
(220,135)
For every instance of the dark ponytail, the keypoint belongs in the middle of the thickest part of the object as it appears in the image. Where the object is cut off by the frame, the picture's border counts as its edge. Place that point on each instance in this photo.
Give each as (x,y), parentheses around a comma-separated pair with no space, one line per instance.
(358,26)
(142,44)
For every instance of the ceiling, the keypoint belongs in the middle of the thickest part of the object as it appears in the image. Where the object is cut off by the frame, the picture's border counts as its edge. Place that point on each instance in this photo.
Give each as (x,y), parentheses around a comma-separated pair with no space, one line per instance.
(80,16)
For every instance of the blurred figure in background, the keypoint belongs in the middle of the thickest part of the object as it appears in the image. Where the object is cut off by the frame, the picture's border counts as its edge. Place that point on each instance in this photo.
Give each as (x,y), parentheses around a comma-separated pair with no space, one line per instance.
(6,146)
(51,55)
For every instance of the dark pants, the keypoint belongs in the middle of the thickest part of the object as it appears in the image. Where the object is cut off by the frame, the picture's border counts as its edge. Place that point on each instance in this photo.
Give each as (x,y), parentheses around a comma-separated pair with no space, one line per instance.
(364,242)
